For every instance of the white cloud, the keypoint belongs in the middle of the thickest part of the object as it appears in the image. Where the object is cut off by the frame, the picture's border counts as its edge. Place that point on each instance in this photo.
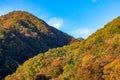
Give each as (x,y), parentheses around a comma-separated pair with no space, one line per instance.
(55,22)
(94,0)
(83,32)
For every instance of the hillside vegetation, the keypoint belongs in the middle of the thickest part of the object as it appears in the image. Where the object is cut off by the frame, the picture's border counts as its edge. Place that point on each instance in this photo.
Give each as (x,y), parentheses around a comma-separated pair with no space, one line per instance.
(96,58)
(23,36)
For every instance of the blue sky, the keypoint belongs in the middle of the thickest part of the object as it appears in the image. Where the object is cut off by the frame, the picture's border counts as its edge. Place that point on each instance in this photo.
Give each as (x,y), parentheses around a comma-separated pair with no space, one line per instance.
(79,18)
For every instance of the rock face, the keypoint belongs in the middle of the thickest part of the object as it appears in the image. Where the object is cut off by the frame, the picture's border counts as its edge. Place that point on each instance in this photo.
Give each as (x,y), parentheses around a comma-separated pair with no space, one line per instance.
(23,36)
(96,58)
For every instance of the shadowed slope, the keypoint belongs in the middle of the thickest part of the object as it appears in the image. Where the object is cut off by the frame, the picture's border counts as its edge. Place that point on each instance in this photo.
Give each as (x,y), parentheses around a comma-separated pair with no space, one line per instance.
(22,36)
(96,58)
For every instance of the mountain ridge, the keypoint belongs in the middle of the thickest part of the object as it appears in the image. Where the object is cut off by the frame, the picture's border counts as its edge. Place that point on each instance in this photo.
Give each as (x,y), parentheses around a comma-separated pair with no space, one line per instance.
(22,35)
(96,58)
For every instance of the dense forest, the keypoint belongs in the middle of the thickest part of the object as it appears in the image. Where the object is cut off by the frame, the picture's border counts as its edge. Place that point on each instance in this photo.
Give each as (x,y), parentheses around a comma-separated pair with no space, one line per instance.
(95,58)
(22,36)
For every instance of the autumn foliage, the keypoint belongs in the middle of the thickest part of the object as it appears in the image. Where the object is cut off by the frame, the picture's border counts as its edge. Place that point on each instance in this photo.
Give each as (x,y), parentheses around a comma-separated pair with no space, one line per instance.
(96,58)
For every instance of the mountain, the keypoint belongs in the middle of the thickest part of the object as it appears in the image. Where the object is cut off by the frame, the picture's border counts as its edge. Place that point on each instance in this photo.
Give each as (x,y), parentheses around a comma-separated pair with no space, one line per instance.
(96,58)
(22,36)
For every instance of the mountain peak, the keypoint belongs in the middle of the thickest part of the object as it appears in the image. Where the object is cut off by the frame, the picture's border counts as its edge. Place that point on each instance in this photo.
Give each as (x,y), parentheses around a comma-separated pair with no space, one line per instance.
(97,57)
(22,36)
(18,13)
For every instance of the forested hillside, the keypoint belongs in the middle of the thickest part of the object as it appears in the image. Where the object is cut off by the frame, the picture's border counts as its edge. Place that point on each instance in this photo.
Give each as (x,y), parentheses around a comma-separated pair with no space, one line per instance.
(96,58)
(22,36)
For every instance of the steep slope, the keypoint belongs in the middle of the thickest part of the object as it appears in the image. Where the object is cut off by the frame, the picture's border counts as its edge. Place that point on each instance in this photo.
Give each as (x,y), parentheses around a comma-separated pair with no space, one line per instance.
(22,36)
(96,58)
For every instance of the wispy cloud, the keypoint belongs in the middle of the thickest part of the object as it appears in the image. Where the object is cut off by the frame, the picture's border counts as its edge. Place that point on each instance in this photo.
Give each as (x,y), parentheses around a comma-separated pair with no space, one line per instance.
(55,22)
(94,0)
(82,32)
